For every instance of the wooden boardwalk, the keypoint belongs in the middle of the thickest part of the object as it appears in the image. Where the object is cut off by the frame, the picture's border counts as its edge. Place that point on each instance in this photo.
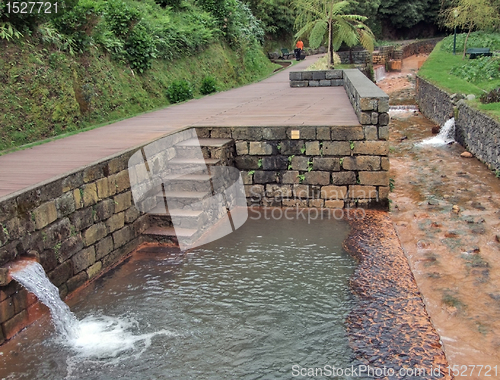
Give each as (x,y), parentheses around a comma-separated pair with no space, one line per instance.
(268,103)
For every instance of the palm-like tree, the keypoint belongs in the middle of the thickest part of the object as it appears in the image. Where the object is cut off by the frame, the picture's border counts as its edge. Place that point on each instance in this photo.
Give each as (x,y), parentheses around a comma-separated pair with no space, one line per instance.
(316,18)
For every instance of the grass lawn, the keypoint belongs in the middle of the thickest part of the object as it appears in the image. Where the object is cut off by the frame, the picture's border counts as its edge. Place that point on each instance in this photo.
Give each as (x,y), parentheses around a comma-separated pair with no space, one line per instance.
(456,75)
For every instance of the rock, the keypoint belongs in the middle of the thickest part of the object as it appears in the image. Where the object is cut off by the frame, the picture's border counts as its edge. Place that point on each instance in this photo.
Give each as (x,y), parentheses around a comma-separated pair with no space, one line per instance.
(497,238)
(466,155)
(455,209)
(471,97)
(435,130)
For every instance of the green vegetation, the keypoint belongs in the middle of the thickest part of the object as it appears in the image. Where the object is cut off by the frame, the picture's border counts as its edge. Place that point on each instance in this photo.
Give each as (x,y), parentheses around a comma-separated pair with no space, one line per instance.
(465,76)
(101,61)
(179,91)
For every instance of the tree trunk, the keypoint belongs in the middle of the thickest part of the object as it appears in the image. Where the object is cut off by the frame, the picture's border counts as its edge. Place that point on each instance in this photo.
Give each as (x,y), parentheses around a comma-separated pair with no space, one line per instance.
(466,38)
(330,53)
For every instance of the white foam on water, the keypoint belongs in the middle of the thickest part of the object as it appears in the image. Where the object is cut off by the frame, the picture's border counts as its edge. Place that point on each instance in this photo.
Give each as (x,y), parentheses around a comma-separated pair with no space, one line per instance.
(93,337)
(446,135)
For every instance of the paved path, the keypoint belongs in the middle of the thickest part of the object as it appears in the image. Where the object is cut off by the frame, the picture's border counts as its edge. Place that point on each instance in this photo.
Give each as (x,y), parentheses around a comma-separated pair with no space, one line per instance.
(270,102)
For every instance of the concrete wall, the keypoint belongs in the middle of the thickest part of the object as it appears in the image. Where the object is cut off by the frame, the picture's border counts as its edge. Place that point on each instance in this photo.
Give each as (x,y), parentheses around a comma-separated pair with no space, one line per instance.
(477,132)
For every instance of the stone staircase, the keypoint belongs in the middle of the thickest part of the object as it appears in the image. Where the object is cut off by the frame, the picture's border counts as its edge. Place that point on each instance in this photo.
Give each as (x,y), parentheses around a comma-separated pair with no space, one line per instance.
(190,199)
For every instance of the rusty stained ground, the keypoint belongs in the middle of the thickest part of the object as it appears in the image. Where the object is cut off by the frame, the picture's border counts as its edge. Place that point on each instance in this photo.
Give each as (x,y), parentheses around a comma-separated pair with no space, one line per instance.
(455,257)
(389,327)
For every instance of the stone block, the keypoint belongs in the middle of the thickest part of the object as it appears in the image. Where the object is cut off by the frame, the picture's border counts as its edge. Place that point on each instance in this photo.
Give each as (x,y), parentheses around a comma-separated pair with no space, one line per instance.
(295,203)
(8,252)
(73,181)
(325,83)
(383,132)
(76,281)
(362,192)
(78,197)
(278,191)
(299,83)
(104,247)
(65,204)
(247,133)
(336,148)
(6,310)
(122,181)
(258,148)
(307,133)
(374,118)
(372,148)
(116,222)
(319,75)
(123,236)
(374,178)
(70,247)
(295,75)
(317,203)
(118,164)
(348,133)
(103,188)
(383,105)
(291,147)
(246,162)
(367,163)
(317,178)
(337,82)
(93,173)
(61,273)
(45,214)
(365,117)
(261,176)
(333,74)
(94,233)
(104,210)
(300,163)
(241,148)
(274,133)
(371,132)
(368,104)
(20,299)
(82,219)
(344,178)
(383,119)
(327,164)
(384,163)
(302,191)
(334,203)
(312,148)
(15,324)
(290,177)
(383,193)
(94,270)
(255,192)
(247,178)
(122,201)
(333,192)
(131,214)
(349,163)
(89,194)
(307,75)
(323,133)
(220,133)
(275,163)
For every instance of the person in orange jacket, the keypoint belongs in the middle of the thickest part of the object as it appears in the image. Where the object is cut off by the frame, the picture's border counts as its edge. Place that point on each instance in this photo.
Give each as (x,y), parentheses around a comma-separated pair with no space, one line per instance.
(299,47)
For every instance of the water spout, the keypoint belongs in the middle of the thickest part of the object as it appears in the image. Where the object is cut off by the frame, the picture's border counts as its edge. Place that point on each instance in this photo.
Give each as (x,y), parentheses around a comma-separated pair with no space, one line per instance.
(446,135)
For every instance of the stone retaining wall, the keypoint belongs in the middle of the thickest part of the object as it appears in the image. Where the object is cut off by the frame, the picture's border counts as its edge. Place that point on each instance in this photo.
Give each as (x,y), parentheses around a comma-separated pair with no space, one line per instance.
(477,132)
(318,78)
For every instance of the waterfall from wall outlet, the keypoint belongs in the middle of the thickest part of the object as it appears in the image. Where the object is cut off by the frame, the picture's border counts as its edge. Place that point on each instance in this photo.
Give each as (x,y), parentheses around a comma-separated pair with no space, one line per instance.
(93,336)
(446,135)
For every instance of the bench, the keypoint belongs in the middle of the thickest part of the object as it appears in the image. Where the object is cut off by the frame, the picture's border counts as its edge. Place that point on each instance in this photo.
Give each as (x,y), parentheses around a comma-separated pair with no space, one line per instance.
(478,52)
(285,54)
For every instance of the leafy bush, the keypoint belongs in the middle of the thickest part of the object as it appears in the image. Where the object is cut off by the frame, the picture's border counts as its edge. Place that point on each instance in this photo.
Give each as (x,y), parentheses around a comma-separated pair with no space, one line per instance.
(491,97)
(120,17)
(208,85)
(179,91)
(476,39)
(140,48)
(478,70)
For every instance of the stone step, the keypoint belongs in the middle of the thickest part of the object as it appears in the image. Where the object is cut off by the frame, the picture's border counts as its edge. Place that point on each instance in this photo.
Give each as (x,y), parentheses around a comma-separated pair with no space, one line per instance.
(188,182)
(183,199)
(169,234)
(207,148)
(182,218)
(194,161)
(189,165)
